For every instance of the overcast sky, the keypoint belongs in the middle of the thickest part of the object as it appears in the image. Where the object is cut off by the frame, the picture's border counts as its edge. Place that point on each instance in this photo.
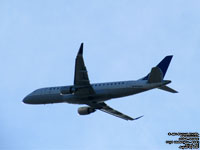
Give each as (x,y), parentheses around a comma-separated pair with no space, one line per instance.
(39,41)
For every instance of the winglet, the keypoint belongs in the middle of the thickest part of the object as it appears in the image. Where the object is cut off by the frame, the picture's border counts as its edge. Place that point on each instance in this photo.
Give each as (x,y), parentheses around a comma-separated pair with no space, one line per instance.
(138,117)
(80,52)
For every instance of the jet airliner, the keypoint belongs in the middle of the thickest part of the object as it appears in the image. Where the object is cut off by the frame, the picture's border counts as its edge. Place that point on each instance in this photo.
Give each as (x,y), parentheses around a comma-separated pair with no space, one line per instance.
(95,95)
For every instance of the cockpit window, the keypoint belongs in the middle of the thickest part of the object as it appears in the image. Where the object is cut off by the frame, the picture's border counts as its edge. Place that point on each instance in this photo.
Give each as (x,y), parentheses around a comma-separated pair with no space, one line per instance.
(35,92)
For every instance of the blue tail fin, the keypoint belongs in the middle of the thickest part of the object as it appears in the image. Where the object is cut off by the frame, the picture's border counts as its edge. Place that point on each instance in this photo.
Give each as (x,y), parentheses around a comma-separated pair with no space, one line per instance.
(163,65)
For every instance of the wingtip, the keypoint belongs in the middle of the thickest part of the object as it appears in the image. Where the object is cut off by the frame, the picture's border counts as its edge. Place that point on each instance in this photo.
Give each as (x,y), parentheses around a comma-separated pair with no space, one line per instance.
(138,117)
(80,52)
(176,91)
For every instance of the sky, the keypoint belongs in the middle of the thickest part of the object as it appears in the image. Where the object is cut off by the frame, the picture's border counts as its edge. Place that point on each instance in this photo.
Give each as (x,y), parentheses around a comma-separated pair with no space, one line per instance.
(123,40)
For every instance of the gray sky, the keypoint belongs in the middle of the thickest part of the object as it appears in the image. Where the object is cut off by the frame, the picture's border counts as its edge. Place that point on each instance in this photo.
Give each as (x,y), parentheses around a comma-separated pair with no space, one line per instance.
(122,41)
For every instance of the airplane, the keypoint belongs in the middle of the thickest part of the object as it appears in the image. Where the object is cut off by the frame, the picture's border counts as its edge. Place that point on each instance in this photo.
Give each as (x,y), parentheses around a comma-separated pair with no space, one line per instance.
(95,95)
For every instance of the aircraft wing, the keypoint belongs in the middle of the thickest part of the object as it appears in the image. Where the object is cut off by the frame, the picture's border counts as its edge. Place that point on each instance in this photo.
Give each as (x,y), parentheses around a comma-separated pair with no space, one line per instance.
(81,80)
(105,108)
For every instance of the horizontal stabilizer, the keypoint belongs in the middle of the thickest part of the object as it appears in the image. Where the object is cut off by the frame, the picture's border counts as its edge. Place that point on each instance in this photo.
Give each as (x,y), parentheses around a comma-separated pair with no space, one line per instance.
(168,89)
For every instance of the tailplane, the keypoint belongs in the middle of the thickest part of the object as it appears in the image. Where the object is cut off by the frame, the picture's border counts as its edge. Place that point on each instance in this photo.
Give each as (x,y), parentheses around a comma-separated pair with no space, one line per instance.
(168,89)
(157,74)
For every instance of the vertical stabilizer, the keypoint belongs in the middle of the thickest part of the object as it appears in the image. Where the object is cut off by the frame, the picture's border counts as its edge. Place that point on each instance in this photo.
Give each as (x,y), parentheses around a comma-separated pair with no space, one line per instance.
(163,66)
(155,76)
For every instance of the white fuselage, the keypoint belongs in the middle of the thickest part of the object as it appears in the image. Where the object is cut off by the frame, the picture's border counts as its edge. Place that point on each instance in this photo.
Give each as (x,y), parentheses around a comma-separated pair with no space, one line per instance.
(103,92)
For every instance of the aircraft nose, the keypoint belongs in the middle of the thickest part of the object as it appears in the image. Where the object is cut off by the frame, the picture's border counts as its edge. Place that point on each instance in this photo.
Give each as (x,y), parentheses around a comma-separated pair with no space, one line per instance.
(26,100)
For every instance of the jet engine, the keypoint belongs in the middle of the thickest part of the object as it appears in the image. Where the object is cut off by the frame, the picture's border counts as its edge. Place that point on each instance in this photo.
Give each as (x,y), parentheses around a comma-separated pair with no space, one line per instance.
(85,110)
(67,90)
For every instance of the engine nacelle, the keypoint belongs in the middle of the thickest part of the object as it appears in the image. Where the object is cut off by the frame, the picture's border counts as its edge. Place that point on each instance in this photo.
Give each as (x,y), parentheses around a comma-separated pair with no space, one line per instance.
(85,110)
(67,90)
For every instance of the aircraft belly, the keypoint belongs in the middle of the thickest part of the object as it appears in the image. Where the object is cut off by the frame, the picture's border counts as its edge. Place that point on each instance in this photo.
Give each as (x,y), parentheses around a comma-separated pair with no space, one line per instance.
(100,95)
(44,99)
(125,92)
(75,99)
(70,98)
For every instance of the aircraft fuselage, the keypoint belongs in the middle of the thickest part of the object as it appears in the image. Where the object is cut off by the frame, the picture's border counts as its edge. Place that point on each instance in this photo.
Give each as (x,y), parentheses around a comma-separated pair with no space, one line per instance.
(104,91)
